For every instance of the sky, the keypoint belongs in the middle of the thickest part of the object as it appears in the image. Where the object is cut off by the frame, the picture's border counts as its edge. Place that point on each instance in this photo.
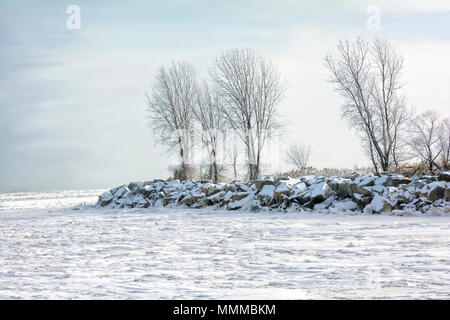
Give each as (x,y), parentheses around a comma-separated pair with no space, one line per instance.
(72,101)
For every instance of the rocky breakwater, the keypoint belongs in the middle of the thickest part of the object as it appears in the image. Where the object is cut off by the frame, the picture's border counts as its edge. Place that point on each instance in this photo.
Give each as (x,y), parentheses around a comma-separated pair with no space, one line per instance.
(384,193)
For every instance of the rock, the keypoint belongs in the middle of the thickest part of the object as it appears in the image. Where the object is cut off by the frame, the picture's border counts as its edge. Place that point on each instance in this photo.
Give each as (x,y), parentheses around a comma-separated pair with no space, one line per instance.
(320,192)
(143,204)
(173,182)
(405,197)
(444,176)
(380,204)
(260,183)
(344,189)
(166,201)
(215,198)
(227,197)
(395,181)
(364,181)
(209,189)
(361,185)
(351,176)
(361,200)
(298,187)
(105,198)
(192,198)
(381,181)
(277,179)
(333,183)
(429,179)
(120,191)
(247,203)
(198,205)
(135,184)
(146,190)
(376,189)
(266,194)
(282,189)
(345,205)
(239,195)
(312,180)
(158,180)
(383,193)
(325,204)
(436,191)
(433,191)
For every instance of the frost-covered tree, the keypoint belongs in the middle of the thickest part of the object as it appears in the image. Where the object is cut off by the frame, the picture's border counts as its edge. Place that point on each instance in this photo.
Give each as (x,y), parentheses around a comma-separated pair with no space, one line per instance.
(368,75)
(170,106)
(207,112)
(298,155)
(251,89)
(425,143)
(444,143)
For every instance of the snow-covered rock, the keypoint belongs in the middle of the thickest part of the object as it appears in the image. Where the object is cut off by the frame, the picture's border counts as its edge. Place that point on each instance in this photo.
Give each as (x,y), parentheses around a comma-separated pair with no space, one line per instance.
(381,204)
(320,192)
(444,176)
(266,194)
(369,194)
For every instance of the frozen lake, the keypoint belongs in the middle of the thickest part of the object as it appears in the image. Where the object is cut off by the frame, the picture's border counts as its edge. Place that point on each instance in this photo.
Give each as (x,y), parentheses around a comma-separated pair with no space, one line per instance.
(49,251)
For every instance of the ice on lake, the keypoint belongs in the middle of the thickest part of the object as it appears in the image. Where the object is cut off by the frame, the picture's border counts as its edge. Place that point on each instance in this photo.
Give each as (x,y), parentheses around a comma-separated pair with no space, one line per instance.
(49,251)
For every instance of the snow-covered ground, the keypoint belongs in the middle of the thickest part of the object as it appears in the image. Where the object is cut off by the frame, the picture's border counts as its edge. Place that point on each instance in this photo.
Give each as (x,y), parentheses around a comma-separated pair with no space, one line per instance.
(48,250)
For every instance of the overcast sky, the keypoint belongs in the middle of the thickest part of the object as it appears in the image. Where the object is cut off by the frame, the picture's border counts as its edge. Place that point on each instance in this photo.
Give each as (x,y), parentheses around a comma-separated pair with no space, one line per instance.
(72,102)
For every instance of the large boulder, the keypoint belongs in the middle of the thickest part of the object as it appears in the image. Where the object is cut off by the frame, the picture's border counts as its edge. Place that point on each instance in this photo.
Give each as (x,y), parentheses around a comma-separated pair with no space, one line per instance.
(444,176)
(247,203)
(105,198)
(320,192)
(135,184)
(437,191)
(380,204)
(119,191)
(434,191)
(215,198)
(192,198)
(351,176)
(396,180)
(344,190)
(260,183)
(333,183)
(298,192)
(173,183)
(362,184)
(283,189)
(239,195)
(209,189)
(266,194)
(361,200)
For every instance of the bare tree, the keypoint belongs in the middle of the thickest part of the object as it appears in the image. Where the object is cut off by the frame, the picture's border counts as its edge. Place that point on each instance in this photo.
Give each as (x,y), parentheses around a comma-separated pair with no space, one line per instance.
(368,77)
(444,142)
(426,132)
(207,111)
(298,155)
(170,107)
(251,90)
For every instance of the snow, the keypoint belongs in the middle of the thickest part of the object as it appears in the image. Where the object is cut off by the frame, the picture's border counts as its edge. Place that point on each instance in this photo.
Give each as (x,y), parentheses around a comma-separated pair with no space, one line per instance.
(346,204)
(49,250)
(267,191)
(378,203)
